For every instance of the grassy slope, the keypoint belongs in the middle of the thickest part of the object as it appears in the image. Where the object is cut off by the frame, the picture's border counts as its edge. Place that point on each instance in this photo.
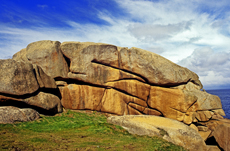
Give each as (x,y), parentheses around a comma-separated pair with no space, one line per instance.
(76,131)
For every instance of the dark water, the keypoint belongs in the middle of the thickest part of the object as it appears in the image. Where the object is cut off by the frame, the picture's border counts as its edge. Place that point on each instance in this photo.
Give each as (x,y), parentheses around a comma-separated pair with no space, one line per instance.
(224,95)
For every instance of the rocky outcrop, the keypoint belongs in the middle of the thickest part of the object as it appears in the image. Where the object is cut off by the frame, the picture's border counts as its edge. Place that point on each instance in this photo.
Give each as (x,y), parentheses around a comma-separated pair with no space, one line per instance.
(12,114)
(168,129)
(47,75)
(22,82)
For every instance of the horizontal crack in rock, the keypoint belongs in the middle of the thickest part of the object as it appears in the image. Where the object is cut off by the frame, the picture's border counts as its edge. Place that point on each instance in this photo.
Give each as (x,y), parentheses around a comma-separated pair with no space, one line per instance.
(99,63)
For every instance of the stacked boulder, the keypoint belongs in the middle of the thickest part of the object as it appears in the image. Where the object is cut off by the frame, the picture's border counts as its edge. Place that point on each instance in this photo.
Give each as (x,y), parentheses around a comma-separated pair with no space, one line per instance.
(110,79)
(25,84)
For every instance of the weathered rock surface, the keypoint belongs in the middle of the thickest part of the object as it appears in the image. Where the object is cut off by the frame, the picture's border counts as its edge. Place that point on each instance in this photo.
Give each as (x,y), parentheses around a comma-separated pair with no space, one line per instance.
(82,54)
(156,69)
(205,101)
(11,114)
(44,101)
(82,97)
(20,78)
(114,102)
(170,130)
(22,82)
(213,148)
(173,103)
(222,136)
(43,79)
(153,68)
(47,55)
(17,78)
(99,99)
(219,111)
(205,134)
(132,87)
(47,101)
(21,56)
(100,74)
(149,111)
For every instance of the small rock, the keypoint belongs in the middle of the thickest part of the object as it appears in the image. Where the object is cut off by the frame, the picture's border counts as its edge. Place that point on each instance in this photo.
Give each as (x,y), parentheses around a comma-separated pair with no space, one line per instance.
(10,114)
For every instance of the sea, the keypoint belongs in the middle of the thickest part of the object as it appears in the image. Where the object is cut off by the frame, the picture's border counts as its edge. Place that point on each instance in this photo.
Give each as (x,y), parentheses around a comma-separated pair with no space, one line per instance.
(224,95)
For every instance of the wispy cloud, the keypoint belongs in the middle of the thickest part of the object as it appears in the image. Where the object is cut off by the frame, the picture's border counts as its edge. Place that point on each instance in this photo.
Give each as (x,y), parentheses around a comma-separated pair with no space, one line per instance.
(192,33)
(213,67)
(157,32)
(42,6)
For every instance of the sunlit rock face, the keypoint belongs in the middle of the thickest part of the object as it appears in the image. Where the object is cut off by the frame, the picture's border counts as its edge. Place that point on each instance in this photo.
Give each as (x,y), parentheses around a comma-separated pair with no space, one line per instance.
(116,80)
(50,75)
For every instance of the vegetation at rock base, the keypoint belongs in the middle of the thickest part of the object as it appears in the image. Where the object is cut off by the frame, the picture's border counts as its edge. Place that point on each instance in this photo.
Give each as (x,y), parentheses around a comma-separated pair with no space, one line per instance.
(74,130)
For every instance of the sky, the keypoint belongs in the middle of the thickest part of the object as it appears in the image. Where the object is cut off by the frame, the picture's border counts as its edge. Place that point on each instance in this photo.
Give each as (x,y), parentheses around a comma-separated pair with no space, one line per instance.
(194,34)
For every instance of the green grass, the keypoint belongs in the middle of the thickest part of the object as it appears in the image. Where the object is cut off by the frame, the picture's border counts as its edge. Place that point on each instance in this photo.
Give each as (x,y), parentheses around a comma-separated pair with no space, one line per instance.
(73,130)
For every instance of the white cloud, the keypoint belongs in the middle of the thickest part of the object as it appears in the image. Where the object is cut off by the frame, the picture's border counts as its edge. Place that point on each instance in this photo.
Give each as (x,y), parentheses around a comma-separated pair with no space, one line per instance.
(212,67)
(157,32)
(194,33)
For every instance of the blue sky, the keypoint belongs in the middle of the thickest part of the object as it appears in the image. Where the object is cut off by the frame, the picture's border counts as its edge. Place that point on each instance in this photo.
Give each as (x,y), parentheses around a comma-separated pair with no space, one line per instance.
(194,34)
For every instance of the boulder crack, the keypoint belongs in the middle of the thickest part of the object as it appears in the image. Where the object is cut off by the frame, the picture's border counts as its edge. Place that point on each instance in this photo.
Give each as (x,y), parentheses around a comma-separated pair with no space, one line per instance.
(130,72)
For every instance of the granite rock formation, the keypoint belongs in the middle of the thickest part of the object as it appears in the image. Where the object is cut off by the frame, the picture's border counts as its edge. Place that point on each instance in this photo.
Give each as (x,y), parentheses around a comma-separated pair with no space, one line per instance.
(48,75)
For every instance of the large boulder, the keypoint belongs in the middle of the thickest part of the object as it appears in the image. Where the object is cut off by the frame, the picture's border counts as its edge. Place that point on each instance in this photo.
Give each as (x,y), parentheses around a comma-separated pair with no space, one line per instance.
(100,75)
(85,58)
(205,101)
(47,55)
(10,114)
(155,69)
(23,82)
(205,107)
(168,129)
(17,78)
(222,135)
(20,78)
(46,101)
